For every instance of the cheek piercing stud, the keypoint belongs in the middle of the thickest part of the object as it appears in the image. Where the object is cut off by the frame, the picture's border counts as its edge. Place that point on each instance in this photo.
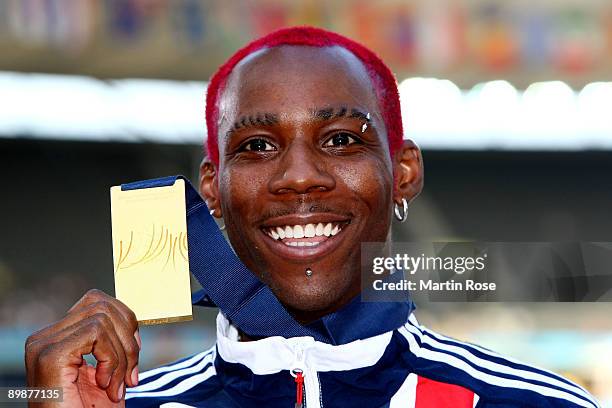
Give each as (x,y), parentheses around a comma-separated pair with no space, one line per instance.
(308,273)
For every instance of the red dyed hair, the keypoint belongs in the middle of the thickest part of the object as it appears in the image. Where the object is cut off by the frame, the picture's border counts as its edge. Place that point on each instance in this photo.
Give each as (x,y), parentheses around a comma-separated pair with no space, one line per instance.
(381,76)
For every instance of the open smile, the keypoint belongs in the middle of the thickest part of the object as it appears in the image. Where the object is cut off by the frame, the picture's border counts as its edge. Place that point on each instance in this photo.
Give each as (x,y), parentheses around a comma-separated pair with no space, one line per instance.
(303,241)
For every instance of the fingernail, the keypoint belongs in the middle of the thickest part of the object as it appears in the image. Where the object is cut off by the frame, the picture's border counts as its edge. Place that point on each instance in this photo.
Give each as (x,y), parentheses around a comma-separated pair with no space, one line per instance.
(137,336)
(135,376)
(120,395)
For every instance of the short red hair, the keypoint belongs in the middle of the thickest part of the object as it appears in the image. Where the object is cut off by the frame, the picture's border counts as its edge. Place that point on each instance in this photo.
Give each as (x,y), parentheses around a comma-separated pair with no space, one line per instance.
(382,78)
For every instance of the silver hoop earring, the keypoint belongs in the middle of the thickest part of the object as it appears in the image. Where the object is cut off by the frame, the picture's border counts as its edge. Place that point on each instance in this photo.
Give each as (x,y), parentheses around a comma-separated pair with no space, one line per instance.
(403,215)
(222,228)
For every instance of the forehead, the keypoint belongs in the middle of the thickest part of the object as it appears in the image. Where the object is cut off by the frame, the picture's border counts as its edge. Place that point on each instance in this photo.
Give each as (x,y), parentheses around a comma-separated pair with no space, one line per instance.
(294,79)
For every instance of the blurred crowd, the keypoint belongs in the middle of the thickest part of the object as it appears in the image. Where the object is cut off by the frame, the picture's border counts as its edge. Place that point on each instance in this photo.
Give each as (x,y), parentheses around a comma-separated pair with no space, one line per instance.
(465,41)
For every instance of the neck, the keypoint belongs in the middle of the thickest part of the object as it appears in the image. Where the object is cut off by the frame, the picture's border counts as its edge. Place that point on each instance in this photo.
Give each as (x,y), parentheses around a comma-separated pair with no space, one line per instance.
(305,317)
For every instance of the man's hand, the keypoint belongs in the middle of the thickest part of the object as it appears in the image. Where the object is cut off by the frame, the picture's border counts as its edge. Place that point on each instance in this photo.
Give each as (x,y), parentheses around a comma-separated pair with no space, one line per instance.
(98,324)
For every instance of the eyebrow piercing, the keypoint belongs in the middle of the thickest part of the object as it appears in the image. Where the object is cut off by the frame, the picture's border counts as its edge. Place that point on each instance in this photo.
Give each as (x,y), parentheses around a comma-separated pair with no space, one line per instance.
(308,273)
(365,125)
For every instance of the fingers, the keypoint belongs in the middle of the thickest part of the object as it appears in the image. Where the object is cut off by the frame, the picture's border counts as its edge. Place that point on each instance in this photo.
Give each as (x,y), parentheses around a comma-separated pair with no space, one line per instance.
(96,296)
(125,324)
(125,337)
(91,335)
(122,334)
(93,296)
(116,349)
(124,321)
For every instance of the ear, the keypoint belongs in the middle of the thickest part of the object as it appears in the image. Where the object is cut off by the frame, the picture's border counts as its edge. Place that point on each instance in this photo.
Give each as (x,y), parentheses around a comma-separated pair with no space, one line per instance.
(407,172)
(209,187)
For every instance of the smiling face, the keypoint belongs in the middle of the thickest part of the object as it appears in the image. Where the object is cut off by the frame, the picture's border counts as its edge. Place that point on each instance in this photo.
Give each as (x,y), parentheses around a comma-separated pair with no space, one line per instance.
(304,173)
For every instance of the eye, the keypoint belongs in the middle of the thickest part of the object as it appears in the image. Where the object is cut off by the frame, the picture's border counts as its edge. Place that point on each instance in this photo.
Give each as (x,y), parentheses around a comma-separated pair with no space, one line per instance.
(341,139)
(258,145)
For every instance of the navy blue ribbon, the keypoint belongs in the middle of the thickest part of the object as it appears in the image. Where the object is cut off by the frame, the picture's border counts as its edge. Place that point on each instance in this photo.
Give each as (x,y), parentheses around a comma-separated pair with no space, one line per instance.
(250,304)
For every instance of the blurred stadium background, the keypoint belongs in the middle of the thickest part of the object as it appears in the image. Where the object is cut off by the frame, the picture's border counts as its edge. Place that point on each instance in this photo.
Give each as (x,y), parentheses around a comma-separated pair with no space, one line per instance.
(516,133)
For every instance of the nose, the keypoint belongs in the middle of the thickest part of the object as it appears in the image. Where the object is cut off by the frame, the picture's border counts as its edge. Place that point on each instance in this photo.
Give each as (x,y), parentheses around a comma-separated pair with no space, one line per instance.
(301,171)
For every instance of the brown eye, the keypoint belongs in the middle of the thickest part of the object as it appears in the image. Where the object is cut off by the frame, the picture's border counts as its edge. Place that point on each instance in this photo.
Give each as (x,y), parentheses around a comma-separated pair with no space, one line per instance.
(340,139)
(258,145)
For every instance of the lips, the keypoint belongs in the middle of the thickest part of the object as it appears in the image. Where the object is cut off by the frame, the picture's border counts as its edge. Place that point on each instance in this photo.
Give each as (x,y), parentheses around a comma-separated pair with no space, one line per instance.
(304,237)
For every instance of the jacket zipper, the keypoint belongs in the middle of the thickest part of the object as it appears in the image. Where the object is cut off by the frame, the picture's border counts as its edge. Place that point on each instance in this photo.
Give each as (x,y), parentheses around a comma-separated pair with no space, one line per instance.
(306,379)
(299,392)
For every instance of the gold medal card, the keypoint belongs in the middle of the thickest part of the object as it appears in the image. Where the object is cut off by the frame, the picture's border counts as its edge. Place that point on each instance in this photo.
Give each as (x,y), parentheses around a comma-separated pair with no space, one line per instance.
(150,252)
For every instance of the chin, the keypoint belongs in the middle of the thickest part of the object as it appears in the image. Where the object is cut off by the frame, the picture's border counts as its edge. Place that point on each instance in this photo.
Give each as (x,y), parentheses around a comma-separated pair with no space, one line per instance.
(318,295)
(334,260)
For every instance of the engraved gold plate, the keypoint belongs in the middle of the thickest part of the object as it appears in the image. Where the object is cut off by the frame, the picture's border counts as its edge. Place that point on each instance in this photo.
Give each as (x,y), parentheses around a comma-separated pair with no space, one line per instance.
(150,254)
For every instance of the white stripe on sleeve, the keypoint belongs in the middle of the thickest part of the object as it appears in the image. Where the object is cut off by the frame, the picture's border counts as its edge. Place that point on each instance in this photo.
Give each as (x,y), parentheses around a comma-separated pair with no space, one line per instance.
(183,364)
(485,377)
(173,375)
(405,397)
(181,387)
(493,366)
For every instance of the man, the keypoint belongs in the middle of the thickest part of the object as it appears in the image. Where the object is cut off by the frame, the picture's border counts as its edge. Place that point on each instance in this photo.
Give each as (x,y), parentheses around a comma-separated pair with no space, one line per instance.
(306,162)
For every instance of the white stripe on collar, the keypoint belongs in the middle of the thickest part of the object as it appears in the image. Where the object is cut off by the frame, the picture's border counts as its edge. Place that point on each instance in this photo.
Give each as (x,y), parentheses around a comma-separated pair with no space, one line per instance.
(274,354)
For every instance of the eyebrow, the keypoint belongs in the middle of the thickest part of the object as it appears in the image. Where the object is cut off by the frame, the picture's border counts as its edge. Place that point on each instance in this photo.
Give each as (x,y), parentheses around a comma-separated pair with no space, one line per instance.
(259,119)
(322,114)
(330,113)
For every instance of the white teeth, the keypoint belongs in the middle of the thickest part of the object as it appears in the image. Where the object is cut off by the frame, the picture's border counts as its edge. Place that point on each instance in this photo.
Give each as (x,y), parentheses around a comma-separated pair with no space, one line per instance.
(319,230)
(335,230)
(304,231)
(327,229)
(301,244)
(309,231)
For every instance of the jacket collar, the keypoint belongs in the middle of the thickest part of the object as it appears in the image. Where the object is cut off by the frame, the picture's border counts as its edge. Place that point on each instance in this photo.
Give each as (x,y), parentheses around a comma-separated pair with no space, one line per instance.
(274,354)
(357,320)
